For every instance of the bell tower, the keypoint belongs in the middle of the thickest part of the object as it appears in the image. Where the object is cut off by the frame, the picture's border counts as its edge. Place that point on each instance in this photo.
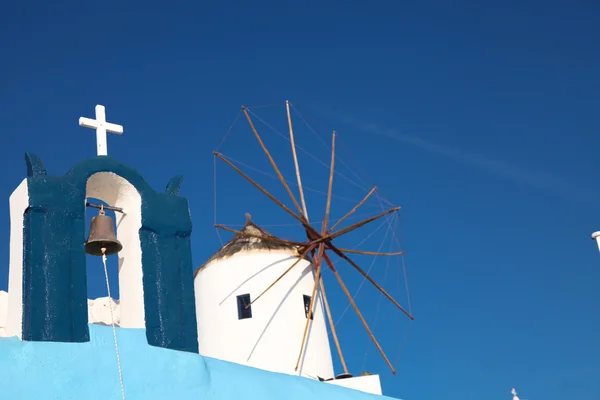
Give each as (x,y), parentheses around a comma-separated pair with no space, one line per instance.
(47,278)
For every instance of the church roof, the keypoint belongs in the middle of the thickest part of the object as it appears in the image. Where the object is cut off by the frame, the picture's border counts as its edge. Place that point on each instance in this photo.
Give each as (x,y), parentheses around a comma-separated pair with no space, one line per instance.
(247,243)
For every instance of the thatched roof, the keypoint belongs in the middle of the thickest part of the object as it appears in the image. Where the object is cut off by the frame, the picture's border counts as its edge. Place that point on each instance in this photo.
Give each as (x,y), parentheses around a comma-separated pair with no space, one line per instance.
(247,243)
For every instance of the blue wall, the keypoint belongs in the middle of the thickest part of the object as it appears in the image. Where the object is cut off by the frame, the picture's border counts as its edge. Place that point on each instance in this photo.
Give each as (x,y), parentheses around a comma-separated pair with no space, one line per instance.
(33,371)
(54,271)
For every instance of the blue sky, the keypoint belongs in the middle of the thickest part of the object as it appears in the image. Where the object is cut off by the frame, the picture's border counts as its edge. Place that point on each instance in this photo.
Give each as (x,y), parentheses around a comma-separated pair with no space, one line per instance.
(479,119)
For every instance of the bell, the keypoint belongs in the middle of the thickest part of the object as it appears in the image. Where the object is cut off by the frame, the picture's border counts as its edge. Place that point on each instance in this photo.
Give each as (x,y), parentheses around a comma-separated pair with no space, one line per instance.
(102,236)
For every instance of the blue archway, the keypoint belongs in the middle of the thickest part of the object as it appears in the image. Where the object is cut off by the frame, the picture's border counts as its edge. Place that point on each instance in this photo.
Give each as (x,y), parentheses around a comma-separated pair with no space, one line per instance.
(54,274)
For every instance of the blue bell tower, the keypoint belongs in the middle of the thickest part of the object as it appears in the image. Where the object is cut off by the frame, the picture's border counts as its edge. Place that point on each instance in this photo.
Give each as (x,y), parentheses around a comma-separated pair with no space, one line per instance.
(155,264)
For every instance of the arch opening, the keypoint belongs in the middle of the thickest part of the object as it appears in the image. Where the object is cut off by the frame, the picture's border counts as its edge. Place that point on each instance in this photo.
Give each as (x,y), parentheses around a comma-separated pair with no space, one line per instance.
(48,282)
(99,299)
(113,190)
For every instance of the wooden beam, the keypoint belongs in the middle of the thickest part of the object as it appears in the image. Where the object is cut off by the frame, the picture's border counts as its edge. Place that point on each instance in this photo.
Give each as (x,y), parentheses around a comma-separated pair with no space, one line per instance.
(363,273)
(317,266)
(364,322)
(372,253)
(332,326)
(349,213)
(296,165)
(271,160)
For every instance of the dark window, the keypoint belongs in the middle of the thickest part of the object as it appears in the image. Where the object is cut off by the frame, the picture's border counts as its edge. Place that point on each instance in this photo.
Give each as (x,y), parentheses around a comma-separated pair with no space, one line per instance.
(307,307)
(243,301)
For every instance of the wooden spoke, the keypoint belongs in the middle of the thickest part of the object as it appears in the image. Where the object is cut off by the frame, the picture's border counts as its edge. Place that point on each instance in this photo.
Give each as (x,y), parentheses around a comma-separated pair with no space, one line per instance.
(330,187)
(312,299)
(321,248)
(364,322)
(371,253)
(271,160)
(297,167)
(354,209)
(316,238)
(359,224)
(269,195)
(363,273)
(332,326)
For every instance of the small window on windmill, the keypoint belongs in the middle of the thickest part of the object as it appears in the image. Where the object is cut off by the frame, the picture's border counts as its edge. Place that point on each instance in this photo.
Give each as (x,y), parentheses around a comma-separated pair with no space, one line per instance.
(244,307)
(307,307)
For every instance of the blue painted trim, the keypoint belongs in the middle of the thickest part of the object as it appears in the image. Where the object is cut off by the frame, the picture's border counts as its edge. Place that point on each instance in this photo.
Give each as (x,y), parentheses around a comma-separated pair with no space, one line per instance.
(54,275)
(174,186)
(35,166)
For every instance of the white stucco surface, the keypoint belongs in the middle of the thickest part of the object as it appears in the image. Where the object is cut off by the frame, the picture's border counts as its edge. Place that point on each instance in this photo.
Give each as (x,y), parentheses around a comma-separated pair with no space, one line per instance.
(118,192)
(368,383)
(18,202)
(98,312)
(3,312)
(271,339)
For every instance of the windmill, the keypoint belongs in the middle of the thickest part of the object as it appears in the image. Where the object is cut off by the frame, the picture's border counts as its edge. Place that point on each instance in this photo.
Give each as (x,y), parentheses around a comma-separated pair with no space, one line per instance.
(319,245)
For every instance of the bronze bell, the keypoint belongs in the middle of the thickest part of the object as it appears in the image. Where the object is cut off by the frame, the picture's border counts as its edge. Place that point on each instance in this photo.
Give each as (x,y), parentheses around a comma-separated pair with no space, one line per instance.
(102,236)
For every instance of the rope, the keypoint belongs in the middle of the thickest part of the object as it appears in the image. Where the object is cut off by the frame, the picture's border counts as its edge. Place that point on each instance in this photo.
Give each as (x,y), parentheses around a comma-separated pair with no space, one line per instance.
(228,130)
(215,197)
(314,132)
(240,163)
(264,106)
(215,188)
(403,342)
(307,152)
(404,269)
(400,246)
(376,317)
(112,320)
(351,218)
(370,267)
(348,152)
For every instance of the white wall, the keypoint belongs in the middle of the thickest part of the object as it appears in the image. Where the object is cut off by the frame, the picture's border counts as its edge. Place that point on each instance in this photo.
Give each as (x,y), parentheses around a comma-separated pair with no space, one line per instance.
(98,312)
(19,201)
(3,312)
(118,192)
(368,383)
(271,339)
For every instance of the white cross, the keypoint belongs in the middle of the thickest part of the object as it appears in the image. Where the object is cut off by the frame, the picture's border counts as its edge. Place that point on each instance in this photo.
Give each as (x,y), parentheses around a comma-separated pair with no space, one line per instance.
(101,127)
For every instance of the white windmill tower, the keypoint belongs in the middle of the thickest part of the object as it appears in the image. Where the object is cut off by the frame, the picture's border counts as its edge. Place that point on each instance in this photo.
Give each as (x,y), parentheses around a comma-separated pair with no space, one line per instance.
(261,301)
(231,327)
